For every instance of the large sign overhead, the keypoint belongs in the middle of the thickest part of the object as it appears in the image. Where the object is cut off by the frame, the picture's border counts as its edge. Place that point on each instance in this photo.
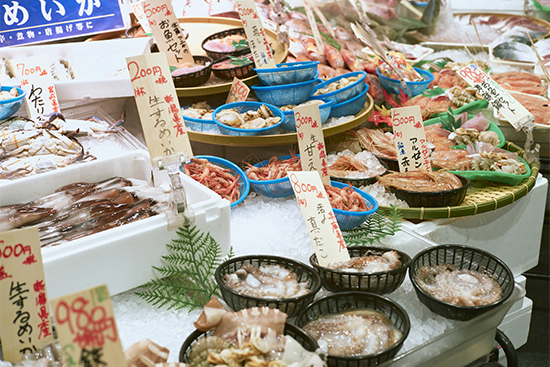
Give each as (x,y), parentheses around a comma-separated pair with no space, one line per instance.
(33,21)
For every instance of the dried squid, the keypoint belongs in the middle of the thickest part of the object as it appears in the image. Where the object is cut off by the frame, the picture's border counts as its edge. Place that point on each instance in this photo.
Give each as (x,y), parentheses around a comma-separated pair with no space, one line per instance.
(421,181)
(353,333)
(459,287)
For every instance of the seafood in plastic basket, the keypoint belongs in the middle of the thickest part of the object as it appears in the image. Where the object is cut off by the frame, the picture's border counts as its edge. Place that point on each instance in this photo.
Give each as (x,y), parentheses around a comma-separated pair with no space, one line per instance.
(263,117)
(266,281)
(200,110)
(274,169)
(346,164)
(80,209)
(346,199)
(216,178)
(461,287)
(353,333)
(421,181)
(371,262)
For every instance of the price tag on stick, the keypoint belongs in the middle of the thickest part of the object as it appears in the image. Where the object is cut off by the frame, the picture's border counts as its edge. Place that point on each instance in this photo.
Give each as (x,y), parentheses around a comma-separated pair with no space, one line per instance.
(158,106)
(25,317)
(410,139)
(38,84)
(311,142)
(167,31)
(238,92)
(137,9)
(314,28)
(320,220)
(518,116)
(255,34)
(86,328)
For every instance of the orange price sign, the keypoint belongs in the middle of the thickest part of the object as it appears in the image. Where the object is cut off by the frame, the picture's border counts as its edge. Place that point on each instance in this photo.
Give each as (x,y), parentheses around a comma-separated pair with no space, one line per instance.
(25,317)
(319,217)
(86,328)
(410,139)
(238,92)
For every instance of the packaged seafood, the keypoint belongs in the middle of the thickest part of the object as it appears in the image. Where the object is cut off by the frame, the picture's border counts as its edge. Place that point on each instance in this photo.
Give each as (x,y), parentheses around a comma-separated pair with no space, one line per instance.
(102,258)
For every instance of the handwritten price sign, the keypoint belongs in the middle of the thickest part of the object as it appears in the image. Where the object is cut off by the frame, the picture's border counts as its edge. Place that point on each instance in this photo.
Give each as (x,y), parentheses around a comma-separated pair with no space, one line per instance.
(320,220)
(314,28)
(311,143)
(410,139)
(38,84)
(86,329)
(255,34)
(498,97)
(238,92)
(167,31)
(25,317)
(158,106)
(137,9)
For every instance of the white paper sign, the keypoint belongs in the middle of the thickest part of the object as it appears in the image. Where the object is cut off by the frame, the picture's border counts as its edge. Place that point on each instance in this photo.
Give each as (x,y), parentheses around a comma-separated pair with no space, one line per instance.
(319,217)
(410,139)
(38,84)
(498,97)
(255,34)
(311,143)
(314,28)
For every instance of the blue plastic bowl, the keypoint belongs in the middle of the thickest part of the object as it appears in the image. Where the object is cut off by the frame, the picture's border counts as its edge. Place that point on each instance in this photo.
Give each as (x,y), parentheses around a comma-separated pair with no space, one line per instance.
(281,95)
(288,72)
(10,106)
(243,107)
(201,125)
(393,85)
(273,188)
(244,184)
(351,106)
(289,124)
(343,94)
(347,219)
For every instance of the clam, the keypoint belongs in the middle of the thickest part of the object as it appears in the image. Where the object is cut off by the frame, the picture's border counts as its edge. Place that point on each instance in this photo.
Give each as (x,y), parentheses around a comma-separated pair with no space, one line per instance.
(265,112)
(230,117)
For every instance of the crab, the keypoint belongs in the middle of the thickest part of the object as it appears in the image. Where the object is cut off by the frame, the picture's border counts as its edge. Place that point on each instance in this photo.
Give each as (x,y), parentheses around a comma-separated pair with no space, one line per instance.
(92,126)
(26,143)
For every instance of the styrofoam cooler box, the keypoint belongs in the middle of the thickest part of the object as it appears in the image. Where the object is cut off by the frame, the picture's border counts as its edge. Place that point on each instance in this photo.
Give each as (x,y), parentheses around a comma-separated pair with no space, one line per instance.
(121,257)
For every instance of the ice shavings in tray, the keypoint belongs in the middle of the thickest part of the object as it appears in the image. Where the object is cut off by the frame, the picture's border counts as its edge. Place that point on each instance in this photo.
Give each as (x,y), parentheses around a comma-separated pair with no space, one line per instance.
(384,198)
(137,319)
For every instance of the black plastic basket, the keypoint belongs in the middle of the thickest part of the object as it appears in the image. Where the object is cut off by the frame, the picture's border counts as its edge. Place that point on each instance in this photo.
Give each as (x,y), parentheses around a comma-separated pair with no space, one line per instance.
(198,77)
(391,164)
(463,257)
(298,334)
(417,199)
(379,283)
(218,35)
(237,71)
(291,306)
(346,301)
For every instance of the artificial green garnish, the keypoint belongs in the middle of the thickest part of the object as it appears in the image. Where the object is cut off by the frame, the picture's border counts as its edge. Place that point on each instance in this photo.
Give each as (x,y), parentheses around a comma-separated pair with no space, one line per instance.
(241,44)
(449,122)
(239,61)
(434,92)
(187,278)
(375,228)
(172,68)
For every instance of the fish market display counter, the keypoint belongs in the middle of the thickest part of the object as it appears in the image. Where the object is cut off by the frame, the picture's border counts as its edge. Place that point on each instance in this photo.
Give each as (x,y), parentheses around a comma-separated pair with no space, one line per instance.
(262,225)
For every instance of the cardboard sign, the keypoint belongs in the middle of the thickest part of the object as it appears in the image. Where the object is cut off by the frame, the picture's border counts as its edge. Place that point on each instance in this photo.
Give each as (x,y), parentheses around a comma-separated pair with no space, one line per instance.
(410,139)
(25,317)
(38,84)
(167,31)
(319,217)
(255,34)
(238,92)
(137,9)
(158,106)
(498,97)
(86,329)
(34,21)
(311,140)
(314,28)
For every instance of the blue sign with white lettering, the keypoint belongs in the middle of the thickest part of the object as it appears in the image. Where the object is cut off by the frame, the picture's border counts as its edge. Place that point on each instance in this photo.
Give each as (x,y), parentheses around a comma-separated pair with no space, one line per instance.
(33,21)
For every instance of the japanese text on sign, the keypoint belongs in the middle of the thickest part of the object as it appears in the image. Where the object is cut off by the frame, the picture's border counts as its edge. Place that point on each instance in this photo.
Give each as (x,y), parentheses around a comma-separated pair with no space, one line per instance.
(158,106)
(410,139)
(167,31)
(255,34)
(38,85)
(25,317)
(33,21)
(238,92)
(497,97)
(313,156)
(319,217)
(314,28)
(137,9)
(87,330)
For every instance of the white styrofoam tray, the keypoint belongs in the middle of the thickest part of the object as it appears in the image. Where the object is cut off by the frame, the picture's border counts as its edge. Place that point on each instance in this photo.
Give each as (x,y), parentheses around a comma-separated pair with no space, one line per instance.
(99,66)
(121,257)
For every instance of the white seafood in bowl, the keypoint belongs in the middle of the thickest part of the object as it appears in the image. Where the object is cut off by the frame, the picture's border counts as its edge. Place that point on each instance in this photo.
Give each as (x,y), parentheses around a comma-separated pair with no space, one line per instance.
(370,263)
